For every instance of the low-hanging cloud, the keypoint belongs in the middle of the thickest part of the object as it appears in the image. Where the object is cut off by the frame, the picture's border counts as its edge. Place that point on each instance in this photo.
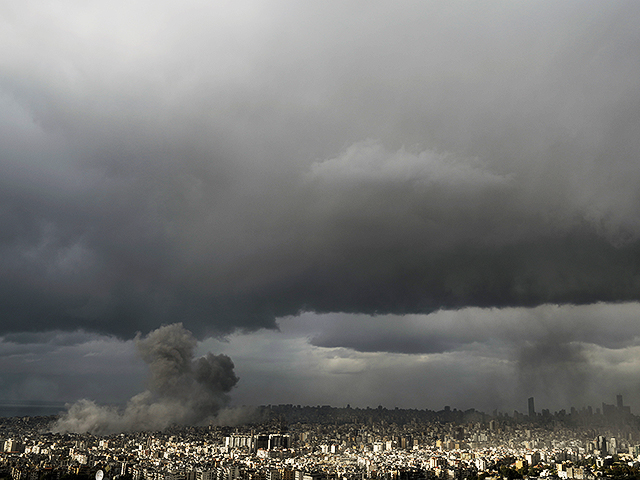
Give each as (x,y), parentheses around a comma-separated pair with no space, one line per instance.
(181,389)
(563,355)
(608,326)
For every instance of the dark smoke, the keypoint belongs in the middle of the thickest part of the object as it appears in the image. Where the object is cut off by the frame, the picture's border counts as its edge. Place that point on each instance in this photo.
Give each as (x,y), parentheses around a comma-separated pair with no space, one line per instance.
(181,389)
(557,368)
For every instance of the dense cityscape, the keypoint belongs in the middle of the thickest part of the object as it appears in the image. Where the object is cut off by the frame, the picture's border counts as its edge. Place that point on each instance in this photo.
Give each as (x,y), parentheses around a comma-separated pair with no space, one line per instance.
(291,442)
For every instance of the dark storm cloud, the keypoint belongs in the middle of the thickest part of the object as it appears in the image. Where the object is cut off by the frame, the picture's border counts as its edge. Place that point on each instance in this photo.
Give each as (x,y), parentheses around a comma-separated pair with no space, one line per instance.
(226,165)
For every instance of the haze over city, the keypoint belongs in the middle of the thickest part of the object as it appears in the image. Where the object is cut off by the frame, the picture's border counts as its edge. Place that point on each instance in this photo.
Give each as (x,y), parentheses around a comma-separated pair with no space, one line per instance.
(410,204)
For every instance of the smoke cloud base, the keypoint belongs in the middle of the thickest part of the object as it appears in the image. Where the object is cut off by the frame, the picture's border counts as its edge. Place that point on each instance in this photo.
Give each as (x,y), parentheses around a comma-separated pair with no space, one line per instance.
(181,389)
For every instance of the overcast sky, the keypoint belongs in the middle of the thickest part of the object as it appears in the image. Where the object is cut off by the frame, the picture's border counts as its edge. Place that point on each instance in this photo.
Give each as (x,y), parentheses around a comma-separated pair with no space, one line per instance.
(401,203)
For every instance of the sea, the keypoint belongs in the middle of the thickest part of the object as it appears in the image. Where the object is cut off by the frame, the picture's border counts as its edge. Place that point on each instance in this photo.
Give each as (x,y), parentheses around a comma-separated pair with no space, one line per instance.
(31,409)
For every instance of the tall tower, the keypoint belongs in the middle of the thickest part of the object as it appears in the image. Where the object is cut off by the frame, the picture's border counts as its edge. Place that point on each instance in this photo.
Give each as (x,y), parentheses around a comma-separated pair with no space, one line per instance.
(619,401)
(532,410)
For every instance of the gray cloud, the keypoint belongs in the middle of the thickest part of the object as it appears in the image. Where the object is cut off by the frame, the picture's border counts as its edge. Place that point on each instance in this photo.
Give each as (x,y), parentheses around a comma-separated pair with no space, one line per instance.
(227,165)
(563,355)
(64,366)
(181,389)
(482,358)
(546,326)
(499,370)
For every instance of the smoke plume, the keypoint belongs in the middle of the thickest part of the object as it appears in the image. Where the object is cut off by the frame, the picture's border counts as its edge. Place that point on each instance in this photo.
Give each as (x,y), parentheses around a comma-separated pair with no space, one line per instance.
(181,389)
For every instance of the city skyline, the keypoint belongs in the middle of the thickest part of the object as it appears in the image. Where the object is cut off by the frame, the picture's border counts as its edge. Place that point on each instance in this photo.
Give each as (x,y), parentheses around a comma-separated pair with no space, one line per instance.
(409,205)
(320,443)
(249,414)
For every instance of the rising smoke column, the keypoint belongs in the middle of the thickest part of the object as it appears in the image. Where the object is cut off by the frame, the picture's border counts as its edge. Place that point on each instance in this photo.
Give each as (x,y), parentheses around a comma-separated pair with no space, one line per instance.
(180,389)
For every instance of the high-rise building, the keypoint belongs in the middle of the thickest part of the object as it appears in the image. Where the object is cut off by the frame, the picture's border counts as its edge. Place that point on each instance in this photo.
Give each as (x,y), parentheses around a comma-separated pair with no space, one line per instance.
(619,401)
(532,410)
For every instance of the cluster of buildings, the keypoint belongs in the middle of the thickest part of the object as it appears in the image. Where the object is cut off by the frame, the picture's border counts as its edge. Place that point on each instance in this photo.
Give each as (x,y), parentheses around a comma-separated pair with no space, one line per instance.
(375,446)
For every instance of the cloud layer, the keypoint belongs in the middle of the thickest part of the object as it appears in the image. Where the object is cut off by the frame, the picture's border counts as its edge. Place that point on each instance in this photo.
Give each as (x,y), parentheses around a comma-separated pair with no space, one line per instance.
(227,164)
(470,358)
